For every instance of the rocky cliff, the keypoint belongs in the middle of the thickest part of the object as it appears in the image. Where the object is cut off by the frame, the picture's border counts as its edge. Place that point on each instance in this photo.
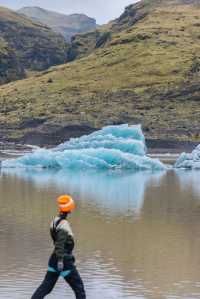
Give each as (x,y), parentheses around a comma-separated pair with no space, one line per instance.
(10,68)
(26,45)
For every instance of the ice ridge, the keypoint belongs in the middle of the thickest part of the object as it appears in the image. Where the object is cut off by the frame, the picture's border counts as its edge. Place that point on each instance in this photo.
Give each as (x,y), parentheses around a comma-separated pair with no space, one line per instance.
(189,160)
(113,147)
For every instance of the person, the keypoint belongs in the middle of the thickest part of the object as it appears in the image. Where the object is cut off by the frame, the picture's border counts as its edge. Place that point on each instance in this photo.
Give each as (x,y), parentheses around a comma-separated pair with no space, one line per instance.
(62,261)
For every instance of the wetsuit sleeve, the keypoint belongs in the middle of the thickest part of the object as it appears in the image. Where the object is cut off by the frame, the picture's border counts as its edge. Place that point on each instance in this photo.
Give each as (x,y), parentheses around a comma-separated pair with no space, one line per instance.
(60,244)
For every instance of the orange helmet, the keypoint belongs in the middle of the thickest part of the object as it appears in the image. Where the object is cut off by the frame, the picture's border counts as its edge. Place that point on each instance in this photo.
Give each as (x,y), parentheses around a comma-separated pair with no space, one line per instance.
(66,203)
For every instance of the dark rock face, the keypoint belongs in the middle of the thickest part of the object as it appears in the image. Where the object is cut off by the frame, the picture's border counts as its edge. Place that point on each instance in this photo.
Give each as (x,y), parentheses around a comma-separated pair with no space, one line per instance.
(29,46)
(172,146)
(67,25)
(10,68)
(131,15)
(83,44)
(54,135)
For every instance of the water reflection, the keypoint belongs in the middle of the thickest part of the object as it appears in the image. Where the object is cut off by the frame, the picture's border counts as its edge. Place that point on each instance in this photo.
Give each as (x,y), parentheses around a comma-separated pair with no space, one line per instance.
(117,192)
(189,179)
(137,234)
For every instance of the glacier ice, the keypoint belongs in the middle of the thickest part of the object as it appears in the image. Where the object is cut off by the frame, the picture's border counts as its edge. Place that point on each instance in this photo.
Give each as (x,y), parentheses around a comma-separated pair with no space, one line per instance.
(129,139)
(113,147)
(189,161)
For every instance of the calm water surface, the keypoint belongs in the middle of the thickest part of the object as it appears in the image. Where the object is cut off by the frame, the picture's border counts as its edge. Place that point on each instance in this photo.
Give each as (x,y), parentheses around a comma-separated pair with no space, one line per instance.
(138,235)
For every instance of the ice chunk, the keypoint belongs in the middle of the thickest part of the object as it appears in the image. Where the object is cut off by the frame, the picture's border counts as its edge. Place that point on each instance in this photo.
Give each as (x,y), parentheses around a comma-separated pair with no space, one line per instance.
(113,147)
(128,139)
(189,161)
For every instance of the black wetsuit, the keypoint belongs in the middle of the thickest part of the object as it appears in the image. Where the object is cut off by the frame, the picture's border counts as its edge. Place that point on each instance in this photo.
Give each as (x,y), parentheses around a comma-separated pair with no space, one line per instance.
(63,246)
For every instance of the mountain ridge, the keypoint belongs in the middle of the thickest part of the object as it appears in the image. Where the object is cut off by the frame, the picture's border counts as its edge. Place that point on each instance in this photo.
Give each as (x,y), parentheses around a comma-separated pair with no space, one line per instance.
(67,25)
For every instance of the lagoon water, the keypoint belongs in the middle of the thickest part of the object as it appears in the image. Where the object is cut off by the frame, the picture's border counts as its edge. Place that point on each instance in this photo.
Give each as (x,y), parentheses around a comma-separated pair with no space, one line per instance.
(138,234)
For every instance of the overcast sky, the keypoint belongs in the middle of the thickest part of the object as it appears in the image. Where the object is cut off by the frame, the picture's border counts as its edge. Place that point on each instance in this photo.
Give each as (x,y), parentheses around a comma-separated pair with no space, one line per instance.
(102,10)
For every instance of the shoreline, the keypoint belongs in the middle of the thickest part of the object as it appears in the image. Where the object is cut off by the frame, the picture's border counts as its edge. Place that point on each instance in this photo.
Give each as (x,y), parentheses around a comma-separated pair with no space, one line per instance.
(159,146)
(167,151)
(154,146)
(53,135)
(163,149)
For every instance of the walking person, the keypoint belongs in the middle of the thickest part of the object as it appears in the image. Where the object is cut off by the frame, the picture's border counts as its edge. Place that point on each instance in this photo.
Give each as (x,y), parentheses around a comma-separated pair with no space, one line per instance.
(62,261)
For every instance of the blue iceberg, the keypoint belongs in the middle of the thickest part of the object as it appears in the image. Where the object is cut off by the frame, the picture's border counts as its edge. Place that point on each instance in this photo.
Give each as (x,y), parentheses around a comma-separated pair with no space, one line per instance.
(113,147)
(128,139)
(189,161)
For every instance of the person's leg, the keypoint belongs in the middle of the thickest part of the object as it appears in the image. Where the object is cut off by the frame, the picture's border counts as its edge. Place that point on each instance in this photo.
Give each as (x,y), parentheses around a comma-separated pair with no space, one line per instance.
(76,283)
(47,285)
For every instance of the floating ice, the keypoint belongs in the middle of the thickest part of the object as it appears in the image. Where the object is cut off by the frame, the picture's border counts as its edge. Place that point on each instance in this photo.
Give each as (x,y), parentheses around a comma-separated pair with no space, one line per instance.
(189,161)
(113,147)
(128,139)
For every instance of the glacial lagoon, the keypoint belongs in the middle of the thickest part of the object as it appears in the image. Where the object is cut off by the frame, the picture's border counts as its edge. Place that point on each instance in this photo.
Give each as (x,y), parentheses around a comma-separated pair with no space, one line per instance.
(137,231)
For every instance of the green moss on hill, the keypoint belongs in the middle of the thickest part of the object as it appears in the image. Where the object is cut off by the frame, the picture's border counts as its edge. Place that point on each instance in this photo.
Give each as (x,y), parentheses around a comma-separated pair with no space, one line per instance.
(148,73)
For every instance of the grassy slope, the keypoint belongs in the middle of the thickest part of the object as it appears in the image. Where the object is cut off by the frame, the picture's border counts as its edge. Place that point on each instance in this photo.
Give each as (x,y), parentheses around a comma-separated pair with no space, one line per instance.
(148,73)
(84,44)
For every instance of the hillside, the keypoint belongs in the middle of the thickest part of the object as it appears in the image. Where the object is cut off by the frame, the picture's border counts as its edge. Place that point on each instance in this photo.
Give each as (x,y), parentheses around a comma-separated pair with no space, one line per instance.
(147,71)
(10,68)
(26,45)
(67,25)
(84,44)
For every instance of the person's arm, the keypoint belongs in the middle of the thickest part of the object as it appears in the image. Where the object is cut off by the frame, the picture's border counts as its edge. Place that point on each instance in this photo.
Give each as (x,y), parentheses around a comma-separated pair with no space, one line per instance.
(61,238)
